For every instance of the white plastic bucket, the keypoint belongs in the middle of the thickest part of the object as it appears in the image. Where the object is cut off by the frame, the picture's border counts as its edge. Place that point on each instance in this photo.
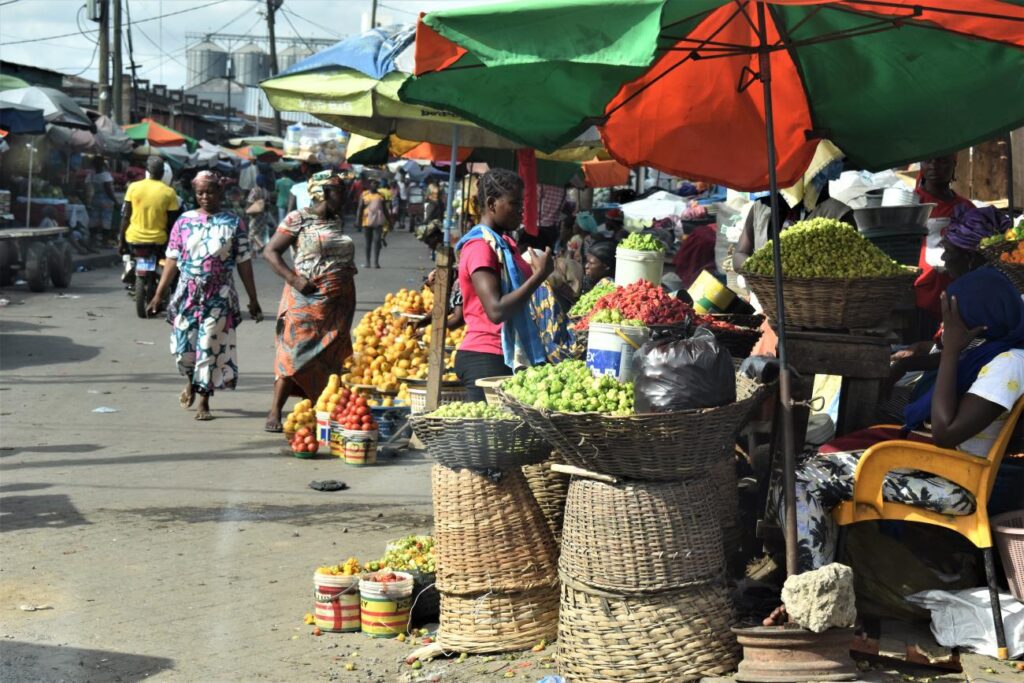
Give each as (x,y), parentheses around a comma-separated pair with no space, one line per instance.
(631,266)
(609,354)
(336,602)
(384,607)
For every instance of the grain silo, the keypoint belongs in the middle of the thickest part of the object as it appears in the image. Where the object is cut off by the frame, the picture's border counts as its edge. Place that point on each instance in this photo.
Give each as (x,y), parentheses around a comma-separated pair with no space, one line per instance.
(205,61)
(251,64)
(291,56)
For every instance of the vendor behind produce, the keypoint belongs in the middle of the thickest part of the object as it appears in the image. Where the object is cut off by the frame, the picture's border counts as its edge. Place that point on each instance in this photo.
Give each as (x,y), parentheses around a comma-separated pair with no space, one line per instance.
(496,287)
(599,266)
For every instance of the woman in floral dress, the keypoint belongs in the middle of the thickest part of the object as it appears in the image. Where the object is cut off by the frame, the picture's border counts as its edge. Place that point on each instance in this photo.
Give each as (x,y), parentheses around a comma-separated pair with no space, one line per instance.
(205,246)
(314,320)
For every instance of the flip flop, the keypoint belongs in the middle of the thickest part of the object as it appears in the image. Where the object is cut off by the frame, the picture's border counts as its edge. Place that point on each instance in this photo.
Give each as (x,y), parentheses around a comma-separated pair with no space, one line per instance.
(273,427)
(204,416)
(186,398)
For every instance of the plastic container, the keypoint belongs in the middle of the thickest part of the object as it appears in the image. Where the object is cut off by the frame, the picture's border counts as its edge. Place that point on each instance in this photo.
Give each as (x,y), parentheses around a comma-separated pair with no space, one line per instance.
(902,246)
(389,419)
(418,397)
(1008,534)
(323,429)
(384,607)
(337,439)
(490,386)
(360,447)
(710,295)
(609,351)
(336,602)
(631,266)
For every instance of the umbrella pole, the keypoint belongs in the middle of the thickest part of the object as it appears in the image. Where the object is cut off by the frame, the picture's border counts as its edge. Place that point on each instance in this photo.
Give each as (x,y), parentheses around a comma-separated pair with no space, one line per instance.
(785,385)
(28,200)
(442,284)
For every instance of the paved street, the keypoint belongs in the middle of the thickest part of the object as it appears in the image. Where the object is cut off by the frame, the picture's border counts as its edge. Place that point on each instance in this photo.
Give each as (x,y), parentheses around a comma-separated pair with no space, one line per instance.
(155,546)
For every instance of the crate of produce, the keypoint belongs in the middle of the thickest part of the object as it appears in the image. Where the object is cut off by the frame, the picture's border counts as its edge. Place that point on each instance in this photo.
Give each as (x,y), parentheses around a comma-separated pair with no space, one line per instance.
(489,534)
(449,394)
(833,278)
(478,436)
(651,446)
(737,333)
(641,537)
(680,635)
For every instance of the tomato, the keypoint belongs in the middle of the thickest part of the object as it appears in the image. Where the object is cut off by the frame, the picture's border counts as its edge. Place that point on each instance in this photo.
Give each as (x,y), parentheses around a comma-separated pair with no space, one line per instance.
(304,431)
(310,440)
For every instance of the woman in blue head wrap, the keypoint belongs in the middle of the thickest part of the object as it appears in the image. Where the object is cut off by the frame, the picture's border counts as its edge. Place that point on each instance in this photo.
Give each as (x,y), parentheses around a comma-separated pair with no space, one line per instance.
(980,378)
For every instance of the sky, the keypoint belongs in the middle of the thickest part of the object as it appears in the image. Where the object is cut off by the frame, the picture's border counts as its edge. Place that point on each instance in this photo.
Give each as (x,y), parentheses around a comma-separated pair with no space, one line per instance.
(159,43)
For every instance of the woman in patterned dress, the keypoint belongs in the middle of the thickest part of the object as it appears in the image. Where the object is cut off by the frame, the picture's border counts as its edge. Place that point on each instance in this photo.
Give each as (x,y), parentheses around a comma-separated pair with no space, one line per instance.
(976,386)
(205,246)
(314,320)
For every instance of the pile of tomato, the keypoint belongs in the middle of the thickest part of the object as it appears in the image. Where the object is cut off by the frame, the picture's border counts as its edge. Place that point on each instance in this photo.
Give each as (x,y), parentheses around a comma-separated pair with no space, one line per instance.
(713,323)
(641,301)
(352,412)
(304,441)
(384,577)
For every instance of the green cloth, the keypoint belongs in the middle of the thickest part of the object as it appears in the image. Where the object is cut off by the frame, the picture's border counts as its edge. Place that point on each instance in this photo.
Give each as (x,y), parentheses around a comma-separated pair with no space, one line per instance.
(885,98)
(283,187)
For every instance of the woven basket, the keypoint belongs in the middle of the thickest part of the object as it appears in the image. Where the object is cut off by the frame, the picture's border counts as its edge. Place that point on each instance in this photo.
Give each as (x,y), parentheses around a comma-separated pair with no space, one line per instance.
(489,536)
(480,443)
(652,447)
(677,636)
(727,502)
(498,622)
(1014,271)
(641,537)
(418,398)
(549,489)
(833,304)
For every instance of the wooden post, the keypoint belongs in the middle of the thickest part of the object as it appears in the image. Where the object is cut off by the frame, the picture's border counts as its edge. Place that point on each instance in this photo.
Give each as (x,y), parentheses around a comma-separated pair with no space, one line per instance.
(438,325)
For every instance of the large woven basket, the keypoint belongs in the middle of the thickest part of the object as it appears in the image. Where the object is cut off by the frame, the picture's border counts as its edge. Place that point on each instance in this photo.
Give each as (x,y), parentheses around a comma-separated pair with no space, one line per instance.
(727,501)
(549,489)
(1014,271)
(489,535)
(653,446)
(831,303)
(480,443)
(641,536)
(498,622)
(676,636)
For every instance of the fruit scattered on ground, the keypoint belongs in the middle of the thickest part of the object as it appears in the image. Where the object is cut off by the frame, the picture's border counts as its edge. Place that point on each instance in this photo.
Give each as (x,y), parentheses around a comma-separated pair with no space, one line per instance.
(309,619)
(585,303)
(640,301)
(641,242)
(570,387)
(474,409)
(827,248)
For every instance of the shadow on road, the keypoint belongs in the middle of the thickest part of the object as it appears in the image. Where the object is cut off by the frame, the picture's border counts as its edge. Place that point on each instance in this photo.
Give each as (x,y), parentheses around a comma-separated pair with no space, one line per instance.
(28,350)
(9,451)
(32,662)
(38,512)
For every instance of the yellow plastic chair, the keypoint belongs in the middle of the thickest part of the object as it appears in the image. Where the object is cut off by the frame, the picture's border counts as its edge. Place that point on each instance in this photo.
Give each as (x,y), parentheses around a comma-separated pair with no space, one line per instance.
(976,475)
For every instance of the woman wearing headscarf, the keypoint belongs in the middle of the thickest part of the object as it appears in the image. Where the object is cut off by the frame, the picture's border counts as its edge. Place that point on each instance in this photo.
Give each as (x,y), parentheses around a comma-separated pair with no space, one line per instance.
(976,384)
(205,246)
(598,264)
(314,320)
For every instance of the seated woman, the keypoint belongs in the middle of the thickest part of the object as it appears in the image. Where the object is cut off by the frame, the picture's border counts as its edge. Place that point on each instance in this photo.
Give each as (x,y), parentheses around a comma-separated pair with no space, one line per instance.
(975,387)
(599,265)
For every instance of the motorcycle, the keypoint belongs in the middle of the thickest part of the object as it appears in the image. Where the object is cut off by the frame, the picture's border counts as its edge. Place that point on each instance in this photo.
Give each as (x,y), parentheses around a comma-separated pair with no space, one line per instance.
(144,265)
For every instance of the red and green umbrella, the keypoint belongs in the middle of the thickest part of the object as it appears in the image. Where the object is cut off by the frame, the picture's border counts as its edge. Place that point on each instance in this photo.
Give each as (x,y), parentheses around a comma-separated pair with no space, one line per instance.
(674,84)
(157,135)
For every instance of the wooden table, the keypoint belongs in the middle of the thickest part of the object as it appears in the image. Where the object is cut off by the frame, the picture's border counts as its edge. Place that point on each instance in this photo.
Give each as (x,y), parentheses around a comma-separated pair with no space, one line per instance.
(861,360)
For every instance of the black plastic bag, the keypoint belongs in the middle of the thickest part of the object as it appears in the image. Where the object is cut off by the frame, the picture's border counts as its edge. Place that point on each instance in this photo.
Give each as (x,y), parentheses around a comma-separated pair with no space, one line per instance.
(683,374)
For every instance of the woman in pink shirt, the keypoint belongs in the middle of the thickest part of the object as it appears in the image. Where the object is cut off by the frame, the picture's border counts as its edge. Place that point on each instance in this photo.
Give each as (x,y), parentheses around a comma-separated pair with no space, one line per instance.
(496,286)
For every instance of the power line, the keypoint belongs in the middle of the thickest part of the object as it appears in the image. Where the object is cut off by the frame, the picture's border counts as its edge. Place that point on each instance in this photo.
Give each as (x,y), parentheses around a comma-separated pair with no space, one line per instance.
(140,21)
(95,47)
(296,31)
(308,21)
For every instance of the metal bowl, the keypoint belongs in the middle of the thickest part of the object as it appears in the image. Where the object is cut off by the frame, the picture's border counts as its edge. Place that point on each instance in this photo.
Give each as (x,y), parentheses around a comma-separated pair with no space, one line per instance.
(892,217)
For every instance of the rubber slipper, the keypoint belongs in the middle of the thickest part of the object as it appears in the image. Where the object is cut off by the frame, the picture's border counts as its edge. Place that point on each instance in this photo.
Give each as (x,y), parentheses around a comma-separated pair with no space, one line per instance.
(204,416)
(328,485)
(186,398)
(273,427)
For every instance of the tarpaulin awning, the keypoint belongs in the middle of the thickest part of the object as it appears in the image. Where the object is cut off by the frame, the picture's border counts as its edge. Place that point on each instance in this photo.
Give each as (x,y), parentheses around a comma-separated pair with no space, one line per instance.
(605,173)
(156,134)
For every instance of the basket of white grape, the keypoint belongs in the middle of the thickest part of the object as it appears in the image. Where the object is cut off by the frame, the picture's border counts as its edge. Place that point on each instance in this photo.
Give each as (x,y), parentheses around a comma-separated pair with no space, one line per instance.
(479,436)
(832,277)
(592,423)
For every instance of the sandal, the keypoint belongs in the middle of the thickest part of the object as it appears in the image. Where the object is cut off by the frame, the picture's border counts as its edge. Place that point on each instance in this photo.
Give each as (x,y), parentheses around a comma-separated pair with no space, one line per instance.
(273,427)
(204,416)
(186,398)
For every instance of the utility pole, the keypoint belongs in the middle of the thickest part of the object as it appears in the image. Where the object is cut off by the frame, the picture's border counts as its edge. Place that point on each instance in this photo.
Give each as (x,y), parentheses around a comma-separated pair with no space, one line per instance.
(118,68)
(272,7)
(373,14)
(104,48)
(133,111)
